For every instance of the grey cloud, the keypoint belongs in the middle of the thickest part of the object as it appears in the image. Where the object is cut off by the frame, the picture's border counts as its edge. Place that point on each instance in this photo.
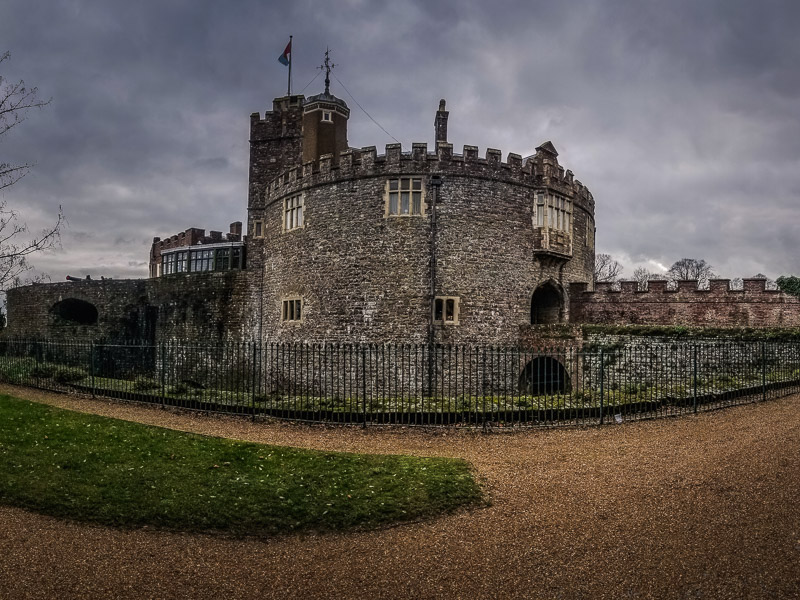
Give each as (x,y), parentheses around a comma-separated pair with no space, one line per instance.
(679,116)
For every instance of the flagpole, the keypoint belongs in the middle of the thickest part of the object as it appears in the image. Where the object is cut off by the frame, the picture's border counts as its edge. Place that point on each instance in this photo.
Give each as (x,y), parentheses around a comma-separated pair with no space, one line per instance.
(291,52)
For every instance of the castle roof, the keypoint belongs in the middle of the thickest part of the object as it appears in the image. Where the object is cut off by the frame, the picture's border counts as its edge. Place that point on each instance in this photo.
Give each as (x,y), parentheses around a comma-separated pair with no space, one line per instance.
(548,148)
(323,97)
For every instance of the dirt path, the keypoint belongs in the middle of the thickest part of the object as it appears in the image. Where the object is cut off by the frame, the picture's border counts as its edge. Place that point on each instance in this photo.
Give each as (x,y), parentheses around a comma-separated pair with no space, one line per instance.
(695,507)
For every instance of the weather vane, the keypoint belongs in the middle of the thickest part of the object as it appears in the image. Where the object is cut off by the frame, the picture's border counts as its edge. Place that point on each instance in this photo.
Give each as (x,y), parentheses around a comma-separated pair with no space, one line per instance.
(327,65)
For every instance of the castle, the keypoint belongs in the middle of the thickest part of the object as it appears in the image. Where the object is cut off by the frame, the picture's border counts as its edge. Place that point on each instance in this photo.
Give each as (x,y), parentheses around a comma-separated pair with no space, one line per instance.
(411,245)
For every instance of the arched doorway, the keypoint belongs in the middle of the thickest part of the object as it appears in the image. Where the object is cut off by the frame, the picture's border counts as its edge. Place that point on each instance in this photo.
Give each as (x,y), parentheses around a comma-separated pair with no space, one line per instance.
(544,375)
(547,305)
(76,311)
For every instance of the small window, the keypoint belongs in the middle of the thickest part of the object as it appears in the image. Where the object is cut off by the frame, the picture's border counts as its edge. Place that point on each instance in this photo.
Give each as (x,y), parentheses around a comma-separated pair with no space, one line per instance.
(404,197)
(445,310)
(293,213)
(327,116)
(258,229)
(292,310)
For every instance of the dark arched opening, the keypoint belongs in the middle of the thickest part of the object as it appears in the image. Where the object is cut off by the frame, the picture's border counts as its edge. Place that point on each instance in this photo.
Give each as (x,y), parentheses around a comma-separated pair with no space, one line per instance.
(75,311)
(544,375)
(546,305)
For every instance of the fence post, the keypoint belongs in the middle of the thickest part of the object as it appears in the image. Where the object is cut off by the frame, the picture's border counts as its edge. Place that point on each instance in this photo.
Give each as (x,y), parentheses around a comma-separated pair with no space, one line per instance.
(602,378)
(694,362)
(91,365)
(253,386)
(763,370)
(364,383)
(163,374)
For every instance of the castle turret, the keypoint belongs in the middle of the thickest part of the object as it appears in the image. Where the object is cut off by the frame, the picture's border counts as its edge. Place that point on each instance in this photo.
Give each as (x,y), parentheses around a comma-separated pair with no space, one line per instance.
(275,143)
(325,122)
(324,126)
(440,124)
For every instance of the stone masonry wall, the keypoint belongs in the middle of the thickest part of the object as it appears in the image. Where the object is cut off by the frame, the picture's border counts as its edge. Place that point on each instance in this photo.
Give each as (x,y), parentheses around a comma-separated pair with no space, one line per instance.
(197,307)
(364,276)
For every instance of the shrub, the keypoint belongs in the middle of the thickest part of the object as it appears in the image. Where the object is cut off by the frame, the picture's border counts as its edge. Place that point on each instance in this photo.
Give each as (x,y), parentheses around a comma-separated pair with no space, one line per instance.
(179,389)
(145,385)
(69,374)
(43,370)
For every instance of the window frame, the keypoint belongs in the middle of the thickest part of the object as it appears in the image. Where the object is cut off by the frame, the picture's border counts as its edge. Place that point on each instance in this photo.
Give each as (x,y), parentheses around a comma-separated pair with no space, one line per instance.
(553,212)
(293,213)
(414,202)
(258,229)
(291,307)
(447,308)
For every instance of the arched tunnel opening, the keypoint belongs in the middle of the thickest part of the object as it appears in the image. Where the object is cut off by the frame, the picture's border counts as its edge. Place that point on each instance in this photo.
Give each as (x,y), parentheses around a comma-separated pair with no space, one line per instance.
(544,375)
(546,305)
(76,311)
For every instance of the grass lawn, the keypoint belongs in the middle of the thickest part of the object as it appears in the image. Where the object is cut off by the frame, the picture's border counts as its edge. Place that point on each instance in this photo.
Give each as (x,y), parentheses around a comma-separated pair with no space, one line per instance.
(118,473)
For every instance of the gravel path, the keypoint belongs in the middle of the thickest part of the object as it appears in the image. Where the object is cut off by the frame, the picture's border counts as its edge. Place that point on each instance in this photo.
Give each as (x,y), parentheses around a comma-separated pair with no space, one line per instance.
(694,507)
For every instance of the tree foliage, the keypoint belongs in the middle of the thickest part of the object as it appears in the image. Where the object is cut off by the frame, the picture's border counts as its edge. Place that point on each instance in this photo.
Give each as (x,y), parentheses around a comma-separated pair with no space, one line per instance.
(16,242)
(606,268)
(789,284)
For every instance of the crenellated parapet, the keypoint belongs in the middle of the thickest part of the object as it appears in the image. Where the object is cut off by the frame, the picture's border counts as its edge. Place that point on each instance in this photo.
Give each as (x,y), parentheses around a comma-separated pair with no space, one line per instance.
(684,304)
(537,171)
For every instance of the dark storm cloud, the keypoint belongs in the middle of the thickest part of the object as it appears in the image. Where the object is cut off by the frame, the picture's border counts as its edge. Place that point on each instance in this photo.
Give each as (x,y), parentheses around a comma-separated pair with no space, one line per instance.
(680,116)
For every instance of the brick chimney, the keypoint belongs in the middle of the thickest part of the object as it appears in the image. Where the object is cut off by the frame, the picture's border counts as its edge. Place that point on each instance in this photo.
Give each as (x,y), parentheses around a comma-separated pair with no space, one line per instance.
(440,124)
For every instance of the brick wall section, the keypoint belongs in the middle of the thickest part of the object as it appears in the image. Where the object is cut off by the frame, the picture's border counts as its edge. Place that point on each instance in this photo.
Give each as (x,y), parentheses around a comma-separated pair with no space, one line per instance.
(197,307)
(719,306)
(365,277)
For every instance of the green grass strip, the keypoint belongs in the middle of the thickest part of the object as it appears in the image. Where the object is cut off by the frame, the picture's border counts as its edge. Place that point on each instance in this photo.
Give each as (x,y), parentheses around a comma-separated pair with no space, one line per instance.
(117,473)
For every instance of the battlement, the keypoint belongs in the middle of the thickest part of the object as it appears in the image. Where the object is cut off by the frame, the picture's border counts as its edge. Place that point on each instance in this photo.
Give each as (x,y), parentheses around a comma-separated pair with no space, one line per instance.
(719,305)
(539,170)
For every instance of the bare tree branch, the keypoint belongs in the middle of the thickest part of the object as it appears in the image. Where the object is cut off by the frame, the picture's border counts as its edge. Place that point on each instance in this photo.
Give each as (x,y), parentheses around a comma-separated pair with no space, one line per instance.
(606,268)
(16,242)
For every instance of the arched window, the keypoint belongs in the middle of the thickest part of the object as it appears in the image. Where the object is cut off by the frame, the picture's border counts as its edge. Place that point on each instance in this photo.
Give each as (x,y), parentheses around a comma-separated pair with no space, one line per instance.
(547,305)
(75,311)
(544,375)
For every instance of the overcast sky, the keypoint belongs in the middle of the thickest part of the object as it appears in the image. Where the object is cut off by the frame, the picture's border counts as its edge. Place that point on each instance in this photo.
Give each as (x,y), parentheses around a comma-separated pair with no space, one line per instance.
(682,117)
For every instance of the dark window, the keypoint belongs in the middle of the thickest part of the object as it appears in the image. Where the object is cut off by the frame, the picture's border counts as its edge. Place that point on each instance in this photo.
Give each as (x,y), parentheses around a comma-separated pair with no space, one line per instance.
(222,260)
(292,309)
(445,310)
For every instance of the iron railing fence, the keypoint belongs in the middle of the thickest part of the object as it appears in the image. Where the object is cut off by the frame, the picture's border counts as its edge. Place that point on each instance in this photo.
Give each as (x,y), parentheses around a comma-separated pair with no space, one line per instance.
(416,384)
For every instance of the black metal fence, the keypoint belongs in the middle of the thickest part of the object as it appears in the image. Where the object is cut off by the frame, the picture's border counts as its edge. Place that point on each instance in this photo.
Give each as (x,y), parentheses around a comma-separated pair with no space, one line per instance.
(417,384)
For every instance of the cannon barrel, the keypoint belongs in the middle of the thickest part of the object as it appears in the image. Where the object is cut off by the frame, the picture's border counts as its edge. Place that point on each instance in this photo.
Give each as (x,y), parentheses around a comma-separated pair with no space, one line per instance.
(71,278)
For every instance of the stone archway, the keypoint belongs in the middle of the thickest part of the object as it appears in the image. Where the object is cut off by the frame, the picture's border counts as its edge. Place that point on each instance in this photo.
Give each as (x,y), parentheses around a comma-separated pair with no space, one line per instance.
(75,311)
(544,375)
(547,305)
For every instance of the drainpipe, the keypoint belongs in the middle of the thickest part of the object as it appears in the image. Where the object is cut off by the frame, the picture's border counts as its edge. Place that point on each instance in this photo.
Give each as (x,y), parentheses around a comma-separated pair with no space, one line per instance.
(436,183)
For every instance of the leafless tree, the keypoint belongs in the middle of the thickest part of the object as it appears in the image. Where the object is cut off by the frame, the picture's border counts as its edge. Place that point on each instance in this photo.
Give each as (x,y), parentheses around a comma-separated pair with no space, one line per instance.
(606,268)
(16,242)
(691,269)
(641,276)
